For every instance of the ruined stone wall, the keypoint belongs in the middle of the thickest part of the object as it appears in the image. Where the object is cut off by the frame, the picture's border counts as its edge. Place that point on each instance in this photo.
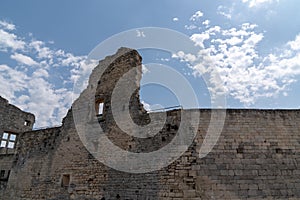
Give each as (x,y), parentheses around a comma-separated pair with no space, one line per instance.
(13,121)
(256,157)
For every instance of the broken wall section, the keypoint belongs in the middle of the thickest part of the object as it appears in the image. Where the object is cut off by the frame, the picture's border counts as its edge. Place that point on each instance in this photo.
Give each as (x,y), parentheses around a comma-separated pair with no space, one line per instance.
(13,121)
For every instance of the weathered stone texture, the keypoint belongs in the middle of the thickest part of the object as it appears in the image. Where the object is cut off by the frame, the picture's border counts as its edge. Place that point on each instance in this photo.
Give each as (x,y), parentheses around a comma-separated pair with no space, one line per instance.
(256,157)
(12,121)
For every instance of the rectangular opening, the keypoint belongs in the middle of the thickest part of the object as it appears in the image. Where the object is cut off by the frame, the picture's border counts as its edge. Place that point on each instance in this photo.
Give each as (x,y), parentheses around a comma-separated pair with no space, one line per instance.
(5,136)
(100,109)
(12,137)
(8,140)
(11,145)
(65,181)
(27,123)
(3,144)
(278,150)
(2,174)
(240,150)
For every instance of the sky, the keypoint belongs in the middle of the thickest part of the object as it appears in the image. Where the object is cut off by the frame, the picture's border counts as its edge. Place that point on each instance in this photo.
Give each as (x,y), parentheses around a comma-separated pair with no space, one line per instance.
(253,44)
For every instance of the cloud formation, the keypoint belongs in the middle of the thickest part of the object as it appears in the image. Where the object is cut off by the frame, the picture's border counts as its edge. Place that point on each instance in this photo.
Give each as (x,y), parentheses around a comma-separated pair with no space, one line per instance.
(10,41)
(196,16)
(22,59)
(27,83)
(257,3)
(225,11)
(246,75)
(7,26)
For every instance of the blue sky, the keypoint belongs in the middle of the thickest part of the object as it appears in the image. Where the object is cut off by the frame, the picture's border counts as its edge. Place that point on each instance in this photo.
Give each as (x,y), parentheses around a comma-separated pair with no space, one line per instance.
(254,45)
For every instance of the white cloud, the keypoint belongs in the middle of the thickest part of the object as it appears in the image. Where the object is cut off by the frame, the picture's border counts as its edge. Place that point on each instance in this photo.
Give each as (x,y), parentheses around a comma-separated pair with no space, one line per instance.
(196,16)
(10,40)
(254,39)
(38,95)
(227,15)
(80,74)
(190,27)
(182,56)
(152,108)
(42,51)
(200,38)
(231,41)
(26,60)
(33,89)
(164,59)
(40,73)
(7,26)
(295,45)
(225,11)
(214,30)
(206,22)
(48,104)
(175,19)
(257,3)
(71,60)
(247,77)
(11,81)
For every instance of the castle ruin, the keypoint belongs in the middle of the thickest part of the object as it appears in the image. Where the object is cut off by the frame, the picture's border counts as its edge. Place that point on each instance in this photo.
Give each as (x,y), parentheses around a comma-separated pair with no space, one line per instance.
(257,155)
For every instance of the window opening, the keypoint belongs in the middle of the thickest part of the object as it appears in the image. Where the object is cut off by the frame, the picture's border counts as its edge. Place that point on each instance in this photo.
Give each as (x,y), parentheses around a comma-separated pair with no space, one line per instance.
(100,109)
(65,181)
(8,140)
(27,123)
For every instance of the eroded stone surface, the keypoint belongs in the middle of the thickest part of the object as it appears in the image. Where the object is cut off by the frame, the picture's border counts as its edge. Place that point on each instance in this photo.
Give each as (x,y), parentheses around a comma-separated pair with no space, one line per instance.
(13,122)
(256,157)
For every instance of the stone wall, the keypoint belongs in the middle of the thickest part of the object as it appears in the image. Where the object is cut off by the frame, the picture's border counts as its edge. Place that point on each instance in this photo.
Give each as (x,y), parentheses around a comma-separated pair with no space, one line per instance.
(13,121)
(256,157)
